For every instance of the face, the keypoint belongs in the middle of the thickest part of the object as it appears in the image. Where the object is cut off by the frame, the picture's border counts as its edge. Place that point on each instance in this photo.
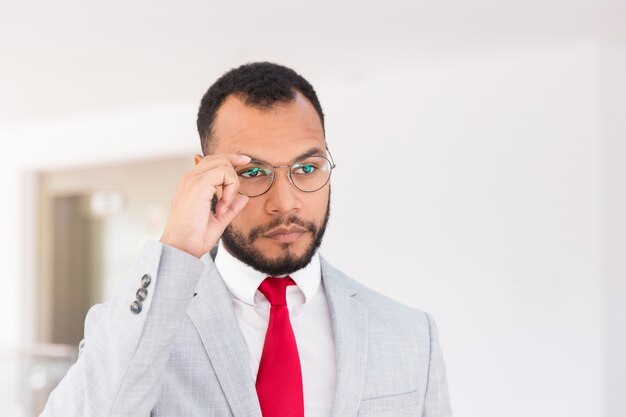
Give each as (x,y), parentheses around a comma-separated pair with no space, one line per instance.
(278,232)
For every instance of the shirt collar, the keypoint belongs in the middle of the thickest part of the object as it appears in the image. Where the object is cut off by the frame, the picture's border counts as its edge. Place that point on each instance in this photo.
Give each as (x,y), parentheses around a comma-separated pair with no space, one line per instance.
(243,281)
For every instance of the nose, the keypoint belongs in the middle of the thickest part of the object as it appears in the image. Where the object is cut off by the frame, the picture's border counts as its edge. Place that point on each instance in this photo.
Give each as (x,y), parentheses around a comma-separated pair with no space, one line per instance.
(282,198)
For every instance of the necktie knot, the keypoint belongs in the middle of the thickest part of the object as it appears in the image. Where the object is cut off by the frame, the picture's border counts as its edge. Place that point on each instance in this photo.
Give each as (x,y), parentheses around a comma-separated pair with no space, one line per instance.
(274,289)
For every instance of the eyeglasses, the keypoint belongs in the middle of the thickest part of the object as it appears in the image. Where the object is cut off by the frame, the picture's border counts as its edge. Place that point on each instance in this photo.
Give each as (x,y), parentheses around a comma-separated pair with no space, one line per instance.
(307,174)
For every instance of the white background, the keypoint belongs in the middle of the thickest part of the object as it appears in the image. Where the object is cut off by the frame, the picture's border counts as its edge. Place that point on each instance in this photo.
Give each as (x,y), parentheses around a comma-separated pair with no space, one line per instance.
(480,148)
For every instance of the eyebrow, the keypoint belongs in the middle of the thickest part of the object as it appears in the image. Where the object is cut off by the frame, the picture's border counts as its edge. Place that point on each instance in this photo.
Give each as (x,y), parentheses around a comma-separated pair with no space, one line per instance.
(310,152)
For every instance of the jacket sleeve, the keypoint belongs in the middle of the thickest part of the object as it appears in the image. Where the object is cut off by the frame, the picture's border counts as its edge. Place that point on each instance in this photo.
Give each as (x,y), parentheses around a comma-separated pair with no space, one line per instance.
(437,399)
(125,353)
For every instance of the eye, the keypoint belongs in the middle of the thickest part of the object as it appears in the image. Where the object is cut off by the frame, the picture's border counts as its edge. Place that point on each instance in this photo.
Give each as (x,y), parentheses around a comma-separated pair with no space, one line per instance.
(304,169)
(253,172)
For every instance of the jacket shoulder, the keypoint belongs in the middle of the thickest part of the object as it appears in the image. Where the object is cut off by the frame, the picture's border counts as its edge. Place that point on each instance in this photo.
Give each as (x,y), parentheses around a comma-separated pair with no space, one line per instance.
(377,304)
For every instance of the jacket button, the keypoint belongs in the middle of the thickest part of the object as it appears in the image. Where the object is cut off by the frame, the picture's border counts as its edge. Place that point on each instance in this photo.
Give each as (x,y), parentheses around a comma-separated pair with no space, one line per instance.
(142,293)
(136,307)
(146,280)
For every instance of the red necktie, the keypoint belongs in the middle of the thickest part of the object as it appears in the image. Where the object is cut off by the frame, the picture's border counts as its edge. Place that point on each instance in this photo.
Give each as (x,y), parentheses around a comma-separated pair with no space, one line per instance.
(279,380)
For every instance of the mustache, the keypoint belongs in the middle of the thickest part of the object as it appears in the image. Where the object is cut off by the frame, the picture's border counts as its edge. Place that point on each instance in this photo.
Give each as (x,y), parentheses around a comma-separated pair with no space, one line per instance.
(258,231)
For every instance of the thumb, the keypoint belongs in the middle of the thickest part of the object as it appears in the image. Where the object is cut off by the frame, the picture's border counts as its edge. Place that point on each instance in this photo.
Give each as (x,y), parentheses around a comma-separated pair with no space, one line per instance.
(235,207)
(218,223)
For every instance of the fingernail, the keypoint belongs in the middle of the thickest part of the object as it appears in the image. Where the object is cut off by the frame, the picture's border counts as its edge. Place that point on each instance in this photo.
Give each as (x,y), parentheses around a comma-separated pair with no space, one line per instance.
(247,157)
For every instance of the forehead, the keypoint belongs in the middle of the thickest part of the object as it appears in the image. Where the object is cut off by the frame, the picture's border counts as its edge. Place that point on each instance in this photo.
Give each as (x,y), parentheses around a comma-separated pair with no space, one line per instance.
(276,135)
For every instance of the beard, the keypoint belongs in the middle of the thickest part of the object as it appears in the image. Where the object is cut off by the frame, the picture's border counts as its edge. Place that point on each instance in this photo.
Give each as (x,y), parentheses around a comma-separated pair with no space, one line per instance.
(240,245)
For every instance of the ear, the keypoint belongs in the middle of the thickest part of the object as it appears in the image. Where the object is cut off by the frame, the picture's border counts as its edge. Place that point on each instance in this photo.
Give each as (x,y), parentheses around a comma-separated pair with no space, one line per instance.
(197,159)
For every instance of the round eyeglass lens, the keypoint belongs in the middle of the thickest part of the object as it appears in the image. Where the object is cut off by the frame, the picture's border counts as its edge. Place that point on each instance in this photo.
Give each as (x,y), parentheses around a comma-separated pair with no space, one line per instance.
(255,178)
(310,174)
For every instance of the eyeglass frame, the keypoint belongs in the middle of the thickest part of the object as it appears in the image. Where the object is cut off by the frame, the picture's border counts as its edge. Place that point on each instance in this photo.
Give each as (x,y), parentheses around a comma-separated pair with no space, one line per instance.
(273,176)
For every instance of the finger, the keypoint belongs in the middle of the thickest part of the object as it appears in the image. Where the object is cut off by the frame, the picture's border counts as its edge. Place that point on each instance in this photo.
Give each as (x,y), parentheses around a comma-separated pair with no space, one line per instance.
(220,207)
(222,179)
(229,183)
(225,182)
(211,161)
(239,202)
(220,222)
(230,186)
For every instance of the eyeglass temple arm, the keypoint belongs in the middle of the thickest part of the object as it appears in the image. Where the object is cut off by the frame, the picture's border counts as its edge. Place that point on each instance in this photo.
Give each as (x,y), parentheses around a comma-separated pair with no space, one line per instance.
(332,161)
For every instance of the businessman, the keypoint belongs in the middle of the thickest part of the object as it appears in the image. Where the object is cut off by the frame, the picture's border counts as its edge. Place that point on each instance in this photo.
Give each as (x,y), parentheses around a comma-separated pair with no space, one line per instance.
(234,312)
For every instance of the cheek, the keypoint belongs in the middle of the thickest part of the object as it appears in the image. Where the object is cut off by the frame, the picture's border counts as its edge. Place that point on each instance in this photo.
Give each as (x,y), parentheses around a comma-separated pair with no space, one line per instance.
(316,205)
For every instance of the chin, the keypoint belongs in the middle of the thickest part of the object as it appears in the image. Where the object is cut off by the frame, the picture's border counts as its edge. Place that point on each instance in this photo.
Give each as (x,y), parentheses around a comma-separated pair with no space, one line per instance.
(271,248)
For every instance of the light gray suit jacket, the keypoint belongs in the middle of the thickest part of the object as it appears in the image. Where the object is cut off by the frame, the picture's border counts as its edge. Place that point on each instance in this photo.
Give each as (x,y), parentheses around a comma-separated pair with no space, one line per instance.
(184,353)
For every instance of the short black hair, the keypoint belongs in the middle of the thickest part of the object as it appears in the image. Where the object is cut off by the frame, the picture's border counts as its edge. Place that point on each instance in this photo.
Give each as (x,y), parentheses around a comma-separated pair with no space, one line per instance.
(258,84)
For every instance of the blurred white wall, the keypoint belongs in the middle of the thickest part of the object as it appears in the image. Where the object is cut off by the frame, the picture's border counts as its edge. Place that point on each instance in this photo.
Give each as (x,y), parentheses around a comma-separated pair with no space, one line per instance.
(483,185)
(613,113)
(485,209)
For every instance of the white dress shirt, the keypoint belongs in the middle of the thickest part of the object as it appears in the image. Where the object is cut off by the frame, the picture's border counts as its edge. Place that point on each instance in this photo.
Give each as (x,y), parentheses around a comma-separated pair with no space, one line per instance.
(310,320)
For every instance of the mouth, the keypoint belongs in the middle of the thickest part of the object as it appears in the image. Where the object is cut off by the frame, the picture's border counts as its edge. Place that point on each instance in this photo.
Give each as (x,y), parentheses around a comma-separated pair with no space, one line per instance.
(285,234)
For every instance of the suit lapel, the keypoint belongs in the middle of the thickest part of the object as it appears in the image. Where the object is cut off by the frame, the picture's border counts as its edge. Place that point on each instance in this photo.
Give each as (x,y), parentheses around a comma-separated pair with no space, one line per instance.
(350,329)
(212,313)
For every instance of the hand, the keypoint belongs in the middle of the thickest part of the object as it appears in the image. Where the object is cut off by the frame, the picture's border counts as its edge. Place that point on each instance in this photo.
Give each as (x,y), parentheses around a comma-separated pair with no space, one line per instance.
(191,226)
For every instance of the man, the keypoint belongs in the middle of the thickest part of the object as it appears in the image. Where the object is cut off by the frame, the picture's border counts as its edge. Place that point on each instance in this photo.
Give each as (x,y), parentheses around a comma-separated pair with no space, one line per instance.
(262,325)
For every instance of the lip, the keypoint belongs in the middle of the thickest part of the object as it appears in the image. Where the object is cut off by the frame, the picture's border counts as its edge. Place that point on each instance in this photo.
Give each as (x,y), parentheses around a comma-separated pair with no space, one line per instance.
(285,234)
(291,230)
